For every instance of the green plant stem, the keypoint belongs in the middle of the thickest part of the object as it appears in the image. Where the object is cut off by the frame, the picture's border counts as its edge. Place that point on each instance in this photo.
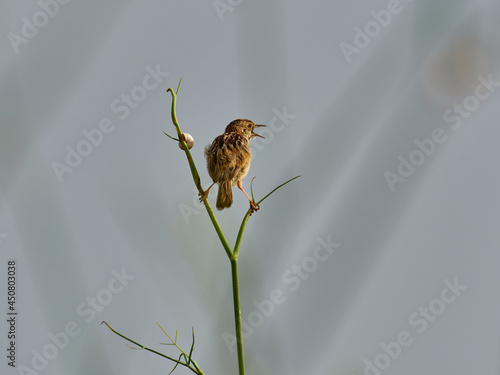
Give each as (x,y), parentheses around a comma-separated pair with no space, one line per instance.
(196,369)
(247,216)
(236,250)
(231,253)
(196,177)
(237,315)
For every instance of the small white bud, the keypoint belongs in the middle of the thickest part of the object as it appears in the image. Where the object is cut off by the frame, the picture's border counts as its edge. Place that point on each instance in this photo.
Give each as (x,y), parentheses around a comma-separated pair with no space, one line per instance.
(189,141)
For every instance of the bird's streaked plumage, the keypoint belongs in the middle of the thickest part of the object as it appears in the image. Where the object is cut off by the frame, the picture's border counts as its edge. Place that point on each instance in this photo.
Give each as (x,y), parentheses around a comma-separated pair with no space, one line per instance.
(228,160)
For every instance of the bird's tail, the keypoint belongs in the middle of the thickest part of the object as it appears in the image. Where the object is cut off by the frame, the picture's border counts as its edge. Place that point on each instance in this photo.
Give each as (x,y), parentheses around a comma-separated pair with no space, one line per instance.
(225,195)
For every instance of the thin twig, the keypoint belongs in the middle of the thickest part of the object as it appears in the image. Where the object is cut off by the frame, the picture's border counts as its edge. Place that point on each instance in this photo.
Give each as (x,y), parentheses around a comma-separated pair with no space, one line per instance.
(196,369)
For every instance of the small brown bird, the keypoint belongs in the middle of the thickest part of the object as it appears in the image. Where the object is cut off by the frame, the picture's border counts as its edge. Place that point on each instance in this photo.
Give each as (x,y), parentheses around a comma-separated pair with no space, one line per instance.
(228,161)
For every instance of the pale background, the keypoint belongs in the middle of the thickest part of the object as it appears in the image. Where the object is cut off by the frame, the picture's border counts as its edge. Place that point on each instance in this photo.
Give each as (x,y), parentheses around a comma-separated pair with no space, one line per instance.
(121,206)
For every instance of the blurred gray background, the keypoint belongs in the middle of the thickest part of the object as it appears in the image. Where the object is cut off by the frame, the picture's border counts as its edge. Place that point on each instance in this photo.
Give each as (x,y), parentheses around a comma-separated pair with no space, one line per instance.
(387,109)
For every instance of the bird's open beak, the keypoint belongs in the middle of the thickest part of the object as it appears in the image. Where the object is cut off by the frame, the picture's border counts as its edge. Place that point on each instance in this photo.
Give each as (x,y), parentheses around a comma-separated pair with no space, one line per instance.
(258,135)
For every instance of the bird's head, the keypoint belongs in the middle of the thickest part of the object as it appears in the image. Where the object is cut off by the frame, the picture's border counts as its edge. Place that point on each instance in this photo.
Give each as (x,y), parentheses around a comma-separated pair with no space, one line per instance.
(244,127)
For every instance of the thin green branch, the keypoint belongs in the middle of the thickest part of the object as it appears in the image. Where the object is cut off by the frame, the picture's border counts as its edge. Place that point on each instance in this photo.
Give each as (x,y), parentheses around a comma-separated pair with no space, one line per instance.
(178,86)
(177,364)
(175,139)
(196,369)
(196,176)
(276,188)
(243,225)
(247,216)
(192,347)
(187,358)
(173,342)
(131,347)
(251,189)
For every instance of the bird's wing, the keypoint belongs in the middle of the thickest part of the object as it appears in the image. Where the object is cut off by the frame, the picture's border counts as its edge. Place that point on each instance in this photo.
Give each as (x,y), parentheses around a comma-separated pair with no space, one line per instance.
(232,152)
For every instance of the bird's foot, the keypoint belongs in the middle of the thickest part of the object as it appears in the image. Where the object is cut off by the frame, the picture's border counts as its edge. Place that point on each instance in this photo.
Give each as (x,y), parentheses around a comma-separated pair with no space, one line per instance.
(254,206)
(203,195)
